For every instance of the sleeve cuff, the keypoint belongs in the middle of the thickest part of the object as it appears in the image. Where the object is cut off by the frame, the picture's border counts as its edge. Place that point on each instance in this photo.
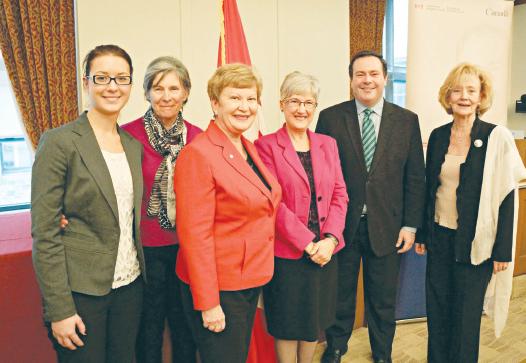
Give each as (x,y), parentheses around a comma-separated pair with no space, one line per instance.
(409,229)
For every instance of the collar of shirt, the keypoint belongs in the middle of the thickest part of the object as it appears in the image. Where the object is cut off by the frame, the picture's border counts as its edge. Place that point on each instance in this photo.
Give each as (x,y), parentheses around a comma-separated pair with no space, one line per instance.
(376,115)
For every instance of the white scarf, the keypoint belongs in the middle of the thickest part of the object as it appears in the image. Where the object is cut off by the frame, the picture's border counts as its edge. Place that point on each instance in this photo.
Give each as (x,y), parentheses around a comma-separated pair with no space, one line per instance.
(503,169)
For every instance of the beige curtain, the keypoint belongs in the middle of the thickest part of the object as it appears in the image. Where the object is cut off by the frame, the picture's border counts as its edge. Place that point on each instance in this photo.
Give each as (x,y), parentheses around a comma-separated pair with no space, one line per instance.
(37,40)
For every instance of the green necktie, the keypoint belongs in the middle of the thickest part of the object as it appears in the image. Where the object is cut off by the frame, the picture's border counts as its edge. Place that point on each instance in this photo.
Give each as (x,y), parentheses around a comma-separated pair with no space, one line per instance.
(368,138)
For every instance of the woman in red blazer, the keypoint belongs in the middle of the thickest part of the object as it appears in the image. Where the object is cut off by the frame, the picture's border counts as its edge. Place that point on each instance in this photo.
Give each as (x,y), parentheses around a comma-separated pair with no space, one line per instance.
(300,301)
(226,208)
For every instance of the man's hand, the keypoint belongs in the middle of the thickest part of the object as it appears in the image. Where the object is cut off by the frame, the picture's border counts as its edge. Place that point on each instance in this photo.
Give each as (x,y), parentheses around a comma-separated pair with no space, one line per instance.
(214,319)
(65,332)
(406,240)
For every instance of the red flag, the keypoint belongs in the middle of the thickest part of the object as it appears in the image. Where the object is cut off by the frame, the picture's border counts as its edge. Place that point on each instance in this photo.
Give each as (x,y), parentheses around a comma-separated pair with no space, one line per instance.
(232,43)
(233,49)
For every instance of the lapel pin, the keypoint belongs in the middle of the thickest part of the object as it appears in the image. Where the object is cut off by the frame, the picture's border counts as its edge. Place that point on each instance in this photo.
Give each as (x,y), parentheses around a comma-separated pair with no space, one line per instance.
(478,143)
(231,156)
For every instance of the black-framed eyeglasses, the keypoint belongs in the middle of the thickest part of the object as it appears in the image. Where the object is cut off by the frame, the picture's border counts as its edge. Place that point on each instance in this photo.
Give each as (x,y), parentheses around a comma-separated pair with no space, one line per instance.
(105,80)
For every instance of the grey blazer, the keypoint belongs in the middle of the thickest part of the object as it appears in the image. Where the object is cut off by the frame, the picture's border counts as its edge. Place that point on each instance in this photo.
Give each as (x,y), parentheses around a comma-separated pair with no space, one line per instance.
(70,177)
(394,187)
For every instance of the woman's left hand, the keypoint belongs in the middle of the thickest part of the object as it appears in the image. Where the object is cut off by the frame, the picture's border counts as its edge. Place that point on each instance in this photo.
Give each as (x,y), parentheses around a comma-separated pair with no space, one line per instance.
(326,247)
(499,266)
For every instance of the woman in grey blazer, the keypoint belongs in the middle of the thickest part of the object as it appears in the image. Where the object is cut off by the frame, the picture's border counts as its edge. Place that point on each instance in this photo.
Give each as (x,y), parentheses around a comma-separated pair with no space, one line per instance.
(90,170)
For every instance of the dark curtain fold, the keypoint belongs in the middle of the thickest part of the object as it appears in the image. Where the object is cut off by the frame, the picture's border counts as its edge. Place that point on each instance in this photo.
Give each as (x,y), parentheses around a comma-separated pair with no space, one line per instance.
(37,40)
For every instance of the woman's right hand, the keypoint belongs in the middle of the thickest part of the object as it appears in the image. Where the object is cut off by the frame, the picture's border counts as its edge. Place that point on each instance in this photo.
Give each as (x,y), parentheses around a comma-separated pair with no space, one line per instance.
(420,249)
(65,332)
(214,319)
(311,248)
(63,221)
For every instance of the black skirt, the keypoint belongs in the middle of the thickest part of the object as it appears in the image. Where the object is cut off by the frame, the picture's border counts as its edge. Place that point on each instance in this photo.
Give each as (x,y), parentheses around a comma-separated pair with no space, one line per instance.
(300,300)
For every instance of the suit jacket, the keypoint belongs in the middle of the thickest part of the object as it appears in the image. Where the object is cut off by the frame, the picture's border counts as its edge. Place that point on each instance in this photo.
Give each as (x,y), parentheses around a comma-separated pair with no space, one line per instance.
(468,194)
(394,187)
(225,217)
(70,177)
(278,154)
(152,235)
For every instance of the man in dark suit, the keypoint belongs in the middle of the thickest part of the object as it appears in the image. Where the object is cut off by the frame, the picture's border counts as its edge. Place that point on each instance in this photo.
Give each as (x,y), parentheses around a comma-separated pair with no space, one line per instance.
(382,160)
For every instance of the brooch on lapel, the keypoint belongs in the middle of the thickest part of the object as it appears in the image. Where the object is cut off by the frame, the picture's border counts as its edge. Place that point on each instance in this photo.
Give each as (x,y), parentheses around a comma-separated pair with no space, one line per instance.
(478,143)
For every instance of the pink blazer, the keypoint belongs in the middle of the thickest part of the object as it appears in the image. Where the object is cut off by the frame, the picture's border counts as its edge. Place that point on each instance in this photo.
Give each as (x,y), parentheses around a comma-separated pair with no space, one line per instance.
(278,154)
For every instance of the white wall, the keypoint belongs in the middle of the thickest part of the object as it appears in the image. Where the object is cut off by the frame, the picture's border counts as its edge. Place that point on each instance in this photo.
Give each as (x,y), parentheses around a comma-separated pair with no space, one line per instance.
(518,68)
(306,35)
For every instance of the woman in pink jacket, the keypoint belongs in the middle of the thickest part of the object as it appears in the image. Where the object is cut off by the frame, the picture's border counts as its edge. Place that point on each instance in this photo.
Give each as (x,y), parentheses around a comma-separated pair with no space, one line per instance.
(300,301)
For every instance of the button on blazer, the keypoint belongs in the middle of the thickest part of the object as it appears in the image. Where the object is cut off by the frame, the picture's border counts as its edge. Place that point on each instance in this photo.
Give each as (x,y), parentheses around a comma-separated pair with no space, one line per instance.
(70,177)
(278,154)
(225,217)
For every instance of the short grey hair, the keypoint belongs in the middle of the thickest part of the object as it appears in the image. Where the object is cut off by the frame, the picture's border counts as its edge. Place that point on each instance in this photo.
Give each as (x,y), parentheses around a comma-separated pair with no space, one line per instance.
(164,65)
(300,84)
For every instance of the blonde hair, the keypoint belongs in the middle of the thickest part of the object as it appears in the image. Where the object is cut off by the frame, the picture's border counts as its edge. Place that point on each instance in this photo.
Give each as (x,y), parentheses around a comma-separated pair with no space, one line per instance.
(235,75)
(456,76)
(300,84)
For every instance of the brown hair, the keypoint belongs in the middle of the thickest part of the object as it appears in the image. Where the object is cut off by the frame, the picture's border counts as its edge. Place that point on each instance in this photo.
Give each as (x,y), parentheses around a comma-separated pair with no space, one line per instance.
(367,53)
(106,49)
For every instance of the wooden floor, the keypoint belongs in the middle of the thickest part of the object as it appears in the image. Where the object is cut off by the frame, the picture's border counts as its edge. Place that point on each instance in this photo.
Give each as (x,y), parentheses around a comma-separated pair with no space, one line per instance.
(410,344)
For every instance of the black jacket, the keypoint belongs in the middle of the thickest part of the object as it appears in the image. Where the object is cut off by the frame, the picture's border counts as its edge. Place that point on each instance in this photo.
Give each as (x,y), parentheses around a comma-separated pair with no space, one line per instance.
(394,187)
(468,194)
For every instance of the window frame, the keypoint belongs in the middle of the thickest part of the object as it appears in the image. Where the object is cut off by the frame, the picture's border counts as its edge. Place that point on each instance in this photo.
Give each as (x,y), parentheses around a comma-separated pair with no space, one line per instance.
(396,74)
(17,138)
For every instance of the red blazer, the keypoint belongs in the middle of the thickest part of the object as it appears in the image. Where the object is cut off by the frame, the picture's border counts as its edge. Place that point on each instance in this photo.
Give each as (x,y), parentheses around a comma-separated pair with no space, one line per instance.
(152,235)
(225,218)
(292,234)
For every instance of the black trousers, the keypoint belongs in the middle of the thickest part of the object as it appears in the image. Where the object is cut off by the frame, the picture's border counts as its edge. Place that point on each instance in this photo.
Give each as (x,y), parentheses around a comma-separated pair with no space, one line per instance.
(162,302)
(112,322)
(380,288)
(231,345)
(454,298)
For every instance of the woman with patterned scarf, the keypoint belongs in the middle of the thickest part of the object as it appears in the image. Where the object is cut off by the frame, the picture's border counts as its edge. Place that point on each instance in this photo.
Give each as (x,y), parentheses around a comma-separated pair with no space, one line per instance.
(163,133)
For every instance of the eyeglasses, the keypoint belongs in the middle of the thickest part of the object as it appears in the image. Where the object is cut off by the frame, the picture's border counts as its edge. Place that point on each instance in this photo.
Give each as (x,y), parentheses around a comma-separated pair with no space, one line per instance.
(294,104)
(105,80)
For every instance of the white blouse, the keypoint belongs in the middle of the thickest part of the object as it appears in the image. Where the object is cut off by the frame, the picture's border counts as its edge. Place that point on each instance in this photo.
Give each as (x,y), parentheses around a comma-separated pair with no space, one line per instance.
(127,267)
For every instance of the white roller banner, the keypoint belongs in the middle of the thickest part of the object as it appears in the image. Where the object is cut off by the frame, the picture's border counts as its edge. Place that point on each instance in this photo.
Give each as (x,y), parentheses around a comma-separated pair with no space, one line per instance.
(443,33)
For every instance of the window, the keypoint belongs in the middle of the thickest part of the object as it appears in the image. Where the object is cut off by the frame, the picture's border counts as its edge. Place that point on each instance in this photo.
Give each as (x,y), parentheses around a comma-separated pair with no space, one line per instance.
(395,49)
(15,155)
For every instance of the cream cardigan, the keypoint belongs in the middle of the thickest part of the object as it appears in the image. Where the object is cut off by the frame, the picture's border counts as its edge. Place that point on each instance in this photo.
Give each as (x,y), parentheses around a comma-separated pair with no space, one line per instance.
(503,169)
